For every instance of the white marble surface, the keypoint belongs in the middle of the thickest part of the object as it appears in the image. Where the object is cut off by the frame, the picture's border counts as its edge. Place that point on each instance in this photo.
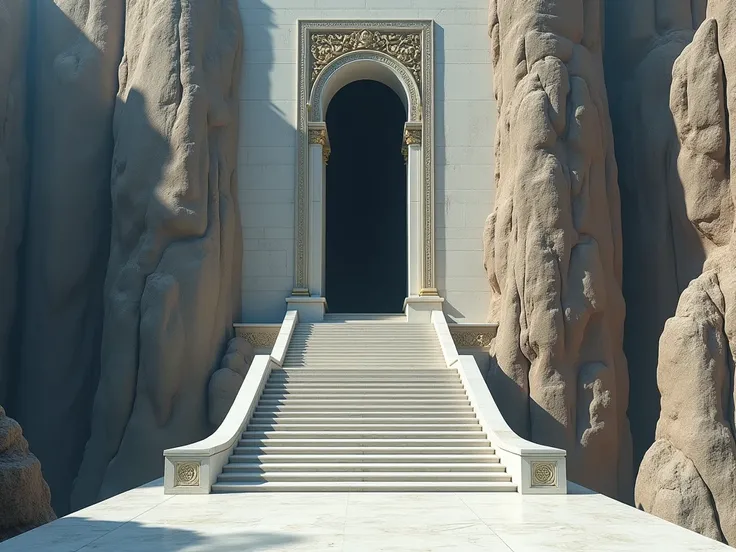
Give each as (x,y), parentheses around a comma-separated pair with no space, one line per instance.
(465,114)
(146,520)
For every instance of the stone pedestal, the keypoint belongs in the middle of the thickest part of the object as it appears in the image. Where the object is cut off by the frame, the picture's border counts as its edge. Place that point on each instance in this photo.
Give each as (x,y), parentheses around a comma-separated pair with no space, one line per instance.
(310,309)
(419,309)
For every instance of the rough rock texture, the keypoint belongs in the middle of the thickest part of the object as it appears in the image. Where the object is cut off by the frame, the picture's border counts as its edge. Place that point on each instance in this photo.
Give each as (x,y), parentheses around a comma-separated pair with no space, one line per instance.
(662,252)
(13,169)
(24,495)
(174,269)
(226,382)
(553,243)
(695,450)
(75,54)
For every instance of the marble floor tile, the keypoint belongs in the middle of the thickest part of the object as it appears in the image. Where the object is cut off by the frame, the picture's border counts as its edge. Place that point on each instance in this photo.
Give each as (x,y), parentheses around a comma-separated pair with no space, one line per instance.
(424,542)
(146,520)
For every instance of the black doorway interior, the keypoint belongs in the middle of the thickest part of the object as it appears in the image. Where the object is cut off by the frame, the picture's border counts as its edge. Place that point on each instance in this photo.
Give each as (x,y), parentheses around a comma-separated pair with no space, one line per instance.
(366,201)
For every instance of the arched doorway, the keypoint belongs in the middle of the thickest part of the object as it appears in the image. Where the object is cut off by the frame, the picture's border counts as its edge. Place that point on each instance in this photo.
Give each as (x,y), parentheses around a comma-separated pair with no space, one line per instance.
(366,251)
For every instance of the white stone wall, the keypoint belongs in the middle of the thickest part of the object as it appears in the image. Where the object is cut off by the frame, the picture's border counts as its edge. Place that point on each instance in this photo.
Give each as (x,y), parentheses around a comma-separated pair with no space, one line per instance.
(465,119)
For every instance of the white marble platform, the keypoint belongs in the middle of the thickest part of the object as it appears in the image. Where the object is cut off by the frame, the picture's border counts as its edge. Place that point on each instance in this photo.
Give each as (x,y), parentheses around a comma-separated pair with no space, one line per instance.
(146,520)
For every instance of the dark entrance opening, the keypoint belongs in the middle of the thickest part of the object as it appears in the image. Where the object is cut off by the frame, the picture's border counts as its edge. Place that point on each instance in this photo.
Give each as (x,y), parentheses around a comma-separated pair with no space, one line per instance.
(366,260)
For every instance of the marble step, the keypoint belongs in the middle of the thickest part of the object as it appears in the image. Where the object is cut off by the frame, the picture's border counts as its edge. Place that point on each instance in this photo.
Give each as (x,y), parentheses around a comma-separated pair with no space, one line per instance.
(268,442)
(401,476)
(358,410)
(367,449)
(362,388)
(360,459)
(394,394)
(366,401)
(378,486)
(377,415)
(352,425)
(367,435)
(364,467)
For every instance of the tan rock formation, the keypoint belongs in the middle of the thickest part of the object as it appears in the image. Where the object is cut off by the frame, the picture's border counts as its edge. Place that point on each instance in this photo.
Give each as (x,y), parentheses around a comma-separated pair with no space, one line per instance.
(24,495)
(553,243)
(76,52)
(226,382)
(689,475)
(173,275)
(662,252)
(13,169)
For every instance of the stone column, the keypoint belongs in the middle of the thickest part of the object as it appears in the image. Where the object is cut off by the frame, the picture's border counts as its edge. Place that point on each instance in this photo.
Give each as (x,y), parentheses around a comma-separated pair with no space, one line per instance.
(310,303)
(319,154)
(422,299)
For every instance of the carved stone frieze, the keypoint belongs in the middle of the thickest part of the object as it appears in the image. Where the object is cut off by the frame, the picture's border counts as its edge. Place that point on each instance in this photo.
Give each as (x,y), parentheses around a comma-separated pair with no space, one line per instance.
(472,336)
(406,48)
(259,336)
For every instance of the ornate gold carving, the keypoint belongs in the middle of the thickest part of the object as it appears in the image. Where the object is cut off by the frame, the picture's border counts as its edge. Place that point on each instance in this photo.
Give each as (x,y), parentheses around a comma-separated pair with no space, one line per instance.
(413,137)
(326,151)
(405,153)
(406,48)
(318,136)
(544,474)
(186,474)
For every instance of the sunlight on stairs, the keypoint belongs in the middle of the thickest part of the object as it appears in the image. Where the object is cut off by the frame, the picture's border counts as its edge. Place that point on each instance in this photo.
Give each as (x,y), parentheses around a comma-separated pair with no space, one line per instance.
(364,403)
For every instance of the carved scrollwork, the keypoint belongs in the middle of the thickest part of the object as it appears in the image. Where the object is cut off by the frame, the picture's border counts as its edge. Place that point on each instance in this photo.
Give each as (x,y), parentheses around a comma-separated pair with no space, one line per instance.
(406,48)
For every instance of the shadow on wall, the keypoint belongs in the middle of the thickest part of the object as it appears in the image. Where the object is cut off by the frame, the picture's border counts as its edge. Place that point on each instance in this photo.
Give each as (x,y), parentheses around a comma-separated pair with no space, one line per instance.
(442,202)
(267,158)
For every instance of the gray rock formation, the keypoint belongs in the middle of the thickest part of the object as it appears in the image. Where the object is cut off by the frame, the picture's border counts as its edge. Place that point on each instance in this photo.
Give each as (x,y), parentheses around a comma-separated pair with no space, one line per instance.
(226,382)
(553,242)
(76,52)
(13,169)
(689,475)
(174,271)
(662,252)
(24,495)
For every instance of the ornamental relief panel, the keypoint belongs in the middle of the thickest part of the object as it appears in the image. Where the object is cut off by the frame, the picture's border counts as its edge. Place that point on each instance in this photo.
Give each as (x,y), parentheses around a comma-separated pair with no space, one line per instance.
(406,48)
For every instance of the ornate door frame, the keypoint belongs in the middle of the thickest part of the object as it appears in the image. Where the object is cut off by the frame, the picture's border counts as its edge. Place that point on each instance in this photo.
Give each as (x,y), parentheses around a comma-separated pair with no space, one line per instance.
(333,53)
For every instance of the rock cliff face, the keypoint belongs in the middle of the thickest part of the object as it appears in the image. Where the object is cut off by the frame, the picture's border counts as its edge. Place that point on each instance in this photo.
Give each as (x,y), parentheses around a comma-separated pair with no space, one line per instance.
(25,496)
(13,170)
(553,242)
(173,273)
(662,252)
(75,52)
(689,475)
(121,170)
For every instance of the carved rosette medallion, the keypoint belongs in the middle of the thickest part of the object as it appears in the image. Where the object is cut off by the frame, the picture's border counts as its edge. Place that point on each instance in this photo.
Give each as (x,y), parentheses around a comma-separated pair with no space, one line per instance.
(406,48)
(544,474)
(186,474)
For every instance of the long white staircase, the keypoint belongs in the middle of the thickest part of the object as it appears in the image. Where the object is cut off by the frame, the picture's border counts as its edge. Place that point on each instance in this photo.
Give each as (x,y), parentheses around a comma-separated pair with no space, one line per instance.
(364,403)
